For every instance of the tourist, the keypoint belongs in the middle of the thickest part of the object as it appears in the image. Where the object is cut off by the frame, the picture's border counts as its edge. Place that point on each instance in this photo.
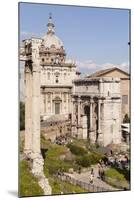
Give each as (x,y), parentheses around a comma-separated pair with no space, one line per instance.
(99,170)
(102,174)
(91,175)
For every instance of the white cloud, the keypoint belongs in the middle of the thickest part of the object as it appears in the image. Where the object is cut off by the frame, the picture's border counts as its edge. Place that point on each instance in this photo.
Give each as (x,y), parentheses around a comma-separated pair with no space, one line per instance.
(31,34)
(88,64)
(91,66)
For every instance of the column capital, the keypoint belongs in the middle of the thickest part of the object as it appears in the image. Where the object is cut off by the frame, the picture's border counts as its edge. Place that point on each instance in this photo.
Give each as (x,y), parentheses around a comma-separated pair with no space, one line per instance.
(99,100)
(91,101)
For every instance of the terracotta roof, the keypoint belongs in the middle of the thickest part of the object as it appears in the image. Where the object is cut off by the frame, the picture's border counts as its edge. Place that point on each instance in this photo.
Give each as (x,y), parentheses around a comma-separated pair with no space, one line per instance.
(105,71)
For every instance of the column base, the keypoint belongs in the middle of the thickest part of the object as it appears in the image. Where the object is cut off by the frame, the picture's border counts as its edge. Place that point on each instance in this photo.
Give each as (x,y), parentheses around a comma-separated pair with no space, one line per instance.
(84,133)
(37,165)
(79,132)
(74,131)
(99,139)
(37,170)
(92,136)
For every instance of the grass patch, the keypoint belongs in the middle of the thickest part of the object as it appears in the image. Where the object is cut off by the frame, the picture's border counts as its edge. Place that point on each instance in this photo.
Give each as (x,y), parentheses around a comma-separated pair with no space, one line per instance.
(62,187)
(116,179)
(28,183)
(53,163)
(125,172)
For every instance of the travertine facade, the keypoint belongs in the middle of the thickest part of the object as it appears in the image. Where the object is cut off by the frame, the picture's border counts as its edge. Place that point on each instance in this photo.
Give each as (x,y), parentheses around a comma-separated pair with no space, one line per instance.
(97,108)
(53,87)
(124,86)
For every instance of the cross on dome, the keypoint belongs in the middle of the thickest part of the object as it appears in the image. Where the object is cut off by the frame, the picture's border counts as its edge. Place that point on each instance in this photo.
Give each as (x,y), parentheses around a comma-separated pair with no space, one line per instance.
(50,25)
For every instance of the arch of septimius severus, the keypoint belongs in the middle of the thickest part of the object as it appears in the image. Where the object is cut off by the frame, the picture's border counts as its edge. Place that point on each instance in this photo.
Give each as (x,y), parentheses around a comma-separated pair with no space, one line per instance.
(53,87)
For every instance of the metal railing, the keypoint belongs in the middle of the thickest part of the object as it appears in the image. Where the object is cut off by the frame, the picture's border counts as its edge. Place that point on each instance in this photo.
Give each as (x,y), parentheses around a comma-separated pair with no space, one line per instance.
(87,186)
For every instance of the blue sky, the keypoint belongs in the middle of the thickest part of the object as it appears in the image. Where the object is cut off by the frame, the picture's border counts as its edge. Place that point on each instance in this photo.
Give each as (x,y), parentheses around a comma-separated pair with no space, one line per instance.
(96,38)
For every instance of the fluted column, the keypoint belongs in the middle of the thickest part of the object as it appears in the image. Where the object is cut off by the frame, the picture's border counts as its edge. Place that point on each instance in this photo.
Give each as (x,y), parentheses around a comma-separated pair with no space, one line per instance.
(91,114)
(79,123)
(91,131)
(28,110)
(36,109)
(79,104)
(99,105)
(38,161)
(73,119)
(73,112)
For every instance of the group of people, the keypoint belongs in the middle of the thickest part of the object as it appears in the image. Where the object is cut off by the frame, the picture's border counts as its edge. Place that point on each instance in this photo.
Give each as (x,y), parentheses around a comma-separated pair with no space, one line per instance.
(119,161)
(101,172)
(62,139)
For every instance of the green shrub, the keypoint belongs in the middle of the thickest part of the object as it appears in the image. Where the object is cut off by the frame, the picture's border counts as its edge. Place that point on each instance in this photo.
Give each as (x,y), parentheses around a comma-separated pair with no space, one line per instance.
(77,150)
(88,159)
(95,157)
(28,184)
(84,161)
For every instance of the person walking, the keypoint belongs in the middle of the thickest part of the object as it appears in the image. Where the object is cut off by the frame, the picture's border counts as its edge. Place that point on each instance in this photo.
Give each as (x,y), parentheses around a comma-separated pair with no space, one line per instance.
(99,170)
(92,176)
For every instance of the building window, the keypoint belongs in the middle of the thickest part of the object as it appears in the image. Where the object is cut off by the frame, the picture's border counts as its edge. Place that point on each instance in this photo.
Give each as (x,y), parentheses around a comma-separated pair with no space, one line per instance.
(49,97)
(48,75)
(57,80)
(125,99)
(57,108)
(64,75)
(64,97)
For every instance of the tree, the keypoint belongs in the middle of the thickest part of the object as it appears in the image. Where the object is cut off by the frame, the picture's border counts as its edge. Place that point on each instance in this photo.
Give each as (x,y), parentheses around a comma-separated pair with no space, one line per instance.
(22,116)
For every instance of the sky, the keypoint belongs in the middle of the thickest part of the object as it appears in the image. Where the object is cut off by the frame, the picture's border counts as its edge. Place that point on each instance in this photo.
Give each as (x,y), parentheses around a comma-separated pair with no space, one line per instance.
(96,38)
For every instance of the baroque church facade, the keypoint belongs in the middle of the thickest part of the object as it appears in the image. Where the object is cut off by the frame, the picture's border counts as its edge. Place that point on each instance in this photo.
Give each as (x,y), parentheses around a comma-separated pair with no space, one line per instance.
(56,75)
(92,104)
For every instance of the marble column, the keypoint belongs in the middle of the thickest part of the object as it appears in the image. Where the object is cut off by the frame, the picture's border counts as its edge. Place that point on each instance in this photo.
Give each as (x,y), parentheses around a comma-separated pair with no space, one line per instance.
(79,125)
(79,103)
(91,115)
(73,119)
(91,131)
(99,132)
(99,105)
(28,111)
(38,162)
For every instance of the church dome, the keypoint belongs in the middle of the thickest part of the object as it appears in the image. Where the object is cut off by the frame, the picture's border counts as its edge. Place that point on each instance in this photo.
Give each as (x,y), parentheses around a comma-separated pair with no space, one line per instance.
(50,40)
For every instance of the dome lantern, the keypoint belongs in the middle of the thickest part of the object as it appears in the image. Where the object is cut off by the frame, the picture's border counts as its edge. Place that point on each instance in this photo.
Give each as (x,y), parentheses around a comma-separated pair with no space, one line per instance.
(50,25)
(52,48)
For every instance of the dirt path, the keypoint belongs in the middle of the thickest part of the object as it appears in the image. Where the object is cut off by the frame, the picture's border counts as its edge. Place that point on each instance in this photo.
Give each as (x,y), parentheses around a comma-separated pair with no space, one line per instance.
(85,176)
